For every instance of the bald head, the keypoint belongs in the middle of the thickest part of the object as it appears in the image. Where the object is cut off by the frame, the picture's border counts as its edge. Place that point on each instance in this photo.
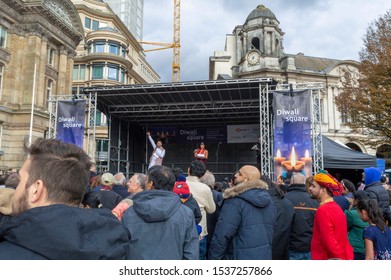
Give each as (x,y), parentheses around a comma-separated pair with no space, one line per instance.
(250,172)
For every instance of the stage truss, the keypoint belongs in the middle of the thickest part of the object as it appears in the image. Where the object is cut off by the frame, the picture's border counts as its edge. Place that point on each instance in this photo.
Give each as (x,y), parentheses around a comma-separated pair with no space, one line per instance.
(90,124)
(266,124)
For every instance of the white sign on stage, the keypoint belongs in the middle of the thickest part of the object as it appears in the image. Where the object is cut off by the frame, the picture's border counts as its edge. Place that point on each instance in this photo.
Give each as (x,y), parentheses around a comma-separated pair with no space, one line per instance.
(243,133)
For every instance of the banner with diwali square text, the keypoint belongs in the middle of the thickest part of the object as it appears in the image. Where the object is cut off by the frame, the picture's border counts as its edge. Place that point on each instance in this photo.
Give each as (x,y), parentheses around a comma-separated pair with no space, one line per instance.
(70,121)
(292,133)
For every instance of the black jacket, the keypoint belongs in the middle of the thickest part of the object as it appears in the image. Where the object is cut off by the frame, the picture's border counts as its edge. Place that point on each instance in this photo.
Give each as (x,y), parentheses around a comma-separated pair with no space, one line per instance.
(303,221)
(282,231)
(61,232)
(211,219)
(193,205)
(123,192)
(376,191)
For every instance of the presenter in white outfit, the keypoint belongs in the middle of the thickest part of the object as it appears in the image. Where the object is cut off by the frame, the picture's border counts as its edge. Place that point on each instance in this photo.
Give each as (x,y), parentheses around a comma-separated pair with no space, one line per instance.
(158,152)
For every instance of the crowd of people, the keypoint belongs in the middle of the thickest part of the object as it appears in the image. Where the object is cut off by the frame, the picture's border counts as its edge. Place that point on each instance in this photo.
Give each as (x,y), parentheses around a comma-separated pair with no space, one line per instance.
(58,207)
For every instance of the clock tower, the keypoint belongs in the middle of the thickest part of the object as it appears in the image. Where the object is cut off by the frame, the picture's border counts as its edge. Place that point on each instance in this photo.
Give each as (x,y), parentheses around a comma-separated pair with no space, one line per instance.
(253,48)
(259,41)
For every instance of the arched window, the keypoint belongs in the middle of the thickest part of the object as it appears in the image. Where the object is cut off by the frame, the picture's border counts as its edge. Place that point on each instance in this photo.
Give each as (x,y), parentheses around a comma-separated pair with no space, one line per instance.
(255,43)
(384,152)
(354,147)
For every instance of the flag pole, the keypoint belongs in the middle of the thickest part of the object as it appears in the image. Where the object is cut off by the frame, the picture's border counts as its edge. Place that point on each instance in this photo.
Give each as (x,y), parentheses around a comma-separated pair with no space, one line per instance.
(32,105)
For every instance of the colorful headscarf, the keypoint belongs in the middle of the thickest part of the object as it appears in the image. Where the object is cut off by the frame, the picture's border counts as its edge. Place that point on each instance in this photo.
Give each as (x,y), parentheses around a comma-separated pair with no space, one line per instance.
(324,179)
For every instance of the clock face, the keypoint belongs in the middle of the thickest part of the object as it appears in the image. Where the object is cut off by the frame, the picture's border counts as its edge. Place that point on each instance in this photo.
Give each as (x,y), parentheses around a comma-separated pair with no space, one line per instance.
(253,58)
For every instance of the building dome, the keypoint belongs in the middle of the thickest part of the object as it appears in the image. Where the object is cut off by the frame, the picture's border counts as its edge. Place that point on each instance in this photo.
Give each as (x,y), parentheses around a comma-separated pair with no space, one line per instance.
(261,12)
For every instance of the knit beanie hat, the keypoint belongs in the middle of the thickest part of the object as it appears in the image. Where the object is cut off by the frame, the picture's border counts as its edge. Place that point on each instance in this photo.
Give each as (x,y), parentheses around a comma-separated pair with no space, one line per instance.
(324,179)
(182,189)
(181,178)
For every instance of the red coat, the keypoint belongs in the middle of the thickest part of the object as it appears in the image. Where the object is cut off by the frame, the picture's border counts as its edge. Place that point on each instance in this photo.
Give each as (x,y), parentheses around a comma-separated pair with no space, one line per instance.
(330,234)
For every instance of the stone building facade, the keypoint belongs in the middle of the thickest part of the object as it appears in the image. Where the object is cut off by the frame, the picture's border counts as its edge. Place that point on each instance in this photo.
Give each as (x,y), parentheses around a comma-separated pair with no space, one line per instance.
(50,48)
(110,55)
(38,40)
(255,49)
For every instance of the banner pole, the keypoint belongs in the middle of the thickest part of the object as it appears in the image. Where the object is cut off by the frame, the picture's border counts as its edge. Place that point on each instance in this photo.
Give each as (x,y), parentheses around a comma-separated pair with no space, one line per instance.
(32,105)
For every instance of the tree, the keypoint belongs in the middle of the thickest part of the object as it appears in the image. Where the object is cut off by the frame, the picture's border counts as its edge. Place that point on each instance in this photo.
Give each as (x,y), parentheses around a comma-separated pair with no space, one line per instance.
(365,100)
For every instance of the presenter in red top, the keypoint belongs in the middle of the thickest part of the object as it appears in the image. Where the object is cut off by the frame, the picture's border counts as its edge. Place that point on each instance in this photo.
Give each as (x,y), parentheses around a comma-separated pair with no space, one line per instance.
(201,154)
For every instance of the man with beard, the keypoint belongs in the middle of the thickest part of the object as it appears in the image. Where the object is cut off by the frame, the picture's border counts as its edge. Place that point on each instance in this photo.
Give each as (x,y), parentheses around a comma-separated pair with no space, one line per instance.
(247,219)
(330,234)
(47,222)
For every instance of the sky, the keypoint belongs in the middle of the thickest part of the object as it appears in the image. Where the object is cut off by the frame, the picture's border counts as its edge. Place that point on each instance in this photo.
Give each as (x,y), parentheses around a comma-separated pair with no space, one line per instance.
(322,28)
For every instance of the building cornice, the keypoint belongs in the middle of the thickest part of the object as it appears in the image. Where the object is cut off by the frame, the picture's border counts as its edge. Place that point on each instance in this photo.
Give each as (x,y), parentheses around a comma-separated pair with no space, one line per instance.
(52,18)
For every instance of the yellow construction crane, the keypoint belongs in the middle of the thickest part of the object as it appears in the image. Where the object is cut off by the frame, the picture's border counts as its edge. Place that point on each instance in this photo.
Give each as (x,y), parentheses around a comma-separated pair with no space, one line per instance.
(175,45)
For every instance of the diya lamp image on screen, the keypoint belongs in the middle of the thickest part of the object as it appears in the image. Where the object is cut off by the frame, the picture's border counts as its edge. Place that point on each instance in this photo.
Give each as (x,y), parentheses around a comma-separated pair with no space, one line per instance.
(293,164)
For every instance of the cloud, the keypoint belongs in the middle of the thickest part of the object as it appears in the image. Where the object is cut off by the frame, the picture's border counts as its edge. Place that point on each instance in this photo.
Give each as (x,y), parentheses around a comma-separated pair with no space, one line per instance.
(324,28)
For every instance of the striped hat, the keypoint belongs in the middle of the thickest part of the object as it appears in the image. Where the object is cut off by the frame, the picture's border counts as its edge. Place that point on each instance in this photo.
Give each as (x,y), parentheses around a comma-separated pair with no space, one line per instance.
(324,179)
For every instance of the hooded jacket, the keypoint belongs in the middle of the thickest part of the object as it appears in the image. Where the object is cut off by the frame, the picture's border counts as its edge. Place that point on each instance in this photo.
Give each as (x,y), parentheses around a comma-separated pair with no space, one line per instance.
(61,232)
(161,227)
(375,189)
(244,230)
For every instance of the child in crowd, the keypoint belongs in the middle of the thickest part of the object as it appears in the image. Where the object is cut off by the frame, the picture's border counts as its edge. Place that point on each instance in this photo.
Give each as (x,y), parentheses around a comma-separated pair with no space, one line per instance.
(377,236)
(182,189)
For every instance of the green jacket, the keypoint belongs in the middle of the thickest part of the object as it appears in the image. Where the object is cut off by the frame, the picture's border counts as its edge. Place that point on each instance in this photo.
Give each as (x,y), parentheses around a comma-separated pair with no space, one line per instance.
(356,228)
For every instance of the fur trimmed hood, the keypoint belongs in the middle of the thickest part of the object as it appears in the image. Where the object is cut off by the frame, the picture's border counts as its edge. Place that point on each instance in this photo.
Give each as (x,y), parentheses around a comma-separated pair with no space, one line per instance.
(6,195)
(254,192)
(244,186)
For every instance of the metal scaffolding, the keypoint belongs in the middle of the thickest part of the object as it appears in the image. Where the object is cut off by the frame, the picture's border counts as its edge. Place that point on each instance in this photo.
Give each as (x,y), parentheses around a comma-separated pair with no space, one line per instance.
(265,141)
(208,103)
(316,123)
(90,124)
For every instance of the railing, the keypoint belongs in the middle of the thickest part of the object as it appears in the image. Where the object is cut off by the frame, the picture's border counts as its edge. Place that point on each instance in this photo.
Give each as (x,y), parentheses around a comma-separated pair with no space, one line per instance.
(219,169)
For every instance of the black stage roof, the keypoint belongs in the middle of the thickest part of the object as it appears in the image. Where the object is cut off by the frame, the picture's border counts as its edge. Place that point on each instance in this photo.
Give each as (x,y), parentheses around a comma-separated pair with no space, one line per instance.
(200,103)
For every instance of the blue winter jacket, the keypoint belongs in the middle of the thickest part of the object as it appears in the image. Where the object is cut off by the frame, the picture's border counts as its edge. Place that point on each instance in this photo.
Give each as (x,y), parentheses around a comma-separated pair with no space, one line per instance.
(244,230)
(61,232)
(161,227)
(375,189)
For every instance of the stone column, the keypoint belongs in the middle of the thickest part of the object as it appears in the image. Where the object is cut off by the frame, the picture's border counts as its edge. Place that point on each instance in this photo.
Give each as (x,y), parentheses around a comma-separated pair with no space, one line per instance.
(41,69)
(329,118)
(62,72)
(273,44)
(337,114)
(69,77)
